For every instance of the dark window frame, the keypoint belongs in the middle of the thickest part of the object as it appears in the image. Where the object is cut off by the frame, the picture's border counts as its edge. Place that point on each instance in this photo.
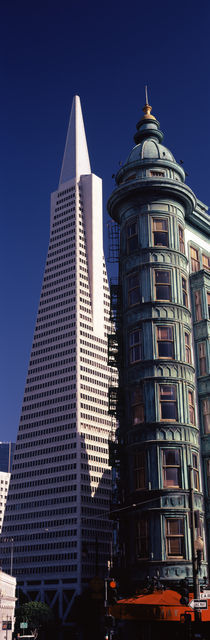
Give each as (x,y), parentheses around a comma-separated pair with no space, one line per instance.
(162,285)
(168,467)
(161,341)
(160,236)
(135,349)
(175,537)
(166,403)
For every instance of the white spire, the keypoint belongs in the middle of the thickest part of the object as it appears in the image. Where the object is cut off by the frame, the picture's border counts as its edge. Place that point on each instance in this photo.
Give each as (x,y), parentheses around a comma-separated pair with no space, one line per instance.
(76,159)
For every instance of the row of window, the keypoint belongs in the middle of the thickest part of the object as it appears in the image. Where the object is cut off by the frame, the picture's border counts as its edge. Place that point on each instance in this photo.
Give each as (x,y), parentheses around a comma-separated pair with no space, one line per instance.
(164,344)
(171,469)
(161,238)
(167,402)
(174,529)
(160,234)
(162,284)
(165,347)
(199,310)
(199,260)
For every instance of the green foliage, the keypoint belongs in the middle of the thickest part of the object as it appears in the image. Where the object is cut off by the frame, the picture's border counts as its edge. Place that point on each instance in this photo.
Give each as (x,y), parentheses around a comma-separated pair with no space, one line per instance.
(37,614)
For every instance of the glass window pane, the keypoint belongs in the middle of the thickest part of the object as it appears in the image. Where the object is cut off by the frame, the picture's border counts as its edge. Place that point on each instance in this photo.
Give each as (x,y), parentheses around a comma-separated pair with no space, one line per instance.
(165,349)
(168,391)
(162,276)
(168,411)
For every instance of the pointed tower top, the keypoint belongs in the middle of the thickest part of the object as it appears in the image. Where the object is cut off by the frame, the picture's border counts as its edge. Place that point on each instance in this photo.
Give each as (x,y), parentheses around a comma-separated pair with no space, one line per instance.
(148,126)
(76,159)
(147,108)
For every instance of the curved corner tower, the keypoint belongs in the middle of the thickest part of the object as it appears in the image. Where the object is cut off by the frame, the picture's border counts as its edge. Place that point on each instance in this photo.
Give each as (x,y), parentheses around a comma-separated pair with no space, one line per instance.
(159,430)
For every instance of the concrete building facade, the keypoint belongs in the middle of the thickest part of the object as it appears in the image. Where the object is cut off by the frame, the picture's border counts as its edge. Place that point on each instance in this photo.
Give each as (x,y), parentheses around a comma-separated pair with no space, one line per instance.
(59,492)
(163,339)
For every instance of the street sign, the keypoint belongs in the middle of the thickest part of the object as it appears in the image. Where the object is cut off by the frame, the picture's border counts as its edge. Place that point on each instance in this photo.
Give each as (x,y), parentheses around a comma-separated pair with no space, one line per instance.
(198,604)
(205,594)
(23,625)
(6,624)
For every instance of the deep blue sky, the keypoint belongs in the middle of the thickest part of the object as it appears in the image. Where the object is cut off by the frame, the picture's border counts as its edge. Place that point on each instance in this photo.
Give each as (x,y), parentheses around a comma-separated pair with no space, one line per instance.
(106,52)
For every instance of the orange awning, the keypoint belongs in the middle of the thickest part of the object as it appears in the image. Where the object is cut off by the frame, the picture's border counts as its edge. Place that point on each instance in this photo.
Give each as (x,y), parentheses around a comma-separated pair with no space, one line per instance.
(159,605)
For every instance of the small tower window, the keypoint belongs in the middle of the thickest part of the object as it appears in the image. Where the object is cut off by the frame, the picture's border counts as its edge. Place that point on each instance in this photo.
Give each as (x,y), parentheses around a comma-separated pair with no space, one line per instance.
(175,537)
(195,263)
(191,407)
(202,358)
(133,289)
(162,284)
(198,308)
(206,414)
(181,240)
(171,468)
(160,232)
(157,174)
(195,471)
(208,303)
(135,346)
(184,292)
(188,357)
(206,261)
(208,475)
(137,405)
(165,342)
(132,237)
(168,403)
(139,470)
(142,538)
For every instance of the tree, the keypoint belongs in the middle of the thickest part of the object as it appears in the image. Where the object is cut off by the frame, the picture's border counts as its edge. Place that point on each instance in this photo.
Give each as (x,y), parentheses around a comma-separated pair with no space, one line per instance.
(37,614)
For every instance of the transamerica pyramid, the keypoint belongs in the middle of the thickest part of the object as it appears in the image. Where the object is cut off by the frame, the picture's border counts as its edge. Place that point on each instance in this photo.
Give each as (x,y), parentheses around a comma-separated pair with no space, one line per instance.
(55,523)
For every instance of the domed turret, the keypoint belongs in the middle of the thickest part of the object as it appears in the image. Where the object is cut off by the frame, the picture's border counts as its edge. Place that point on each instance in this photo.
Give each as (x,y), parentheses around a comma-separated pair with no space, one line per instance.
(149,151)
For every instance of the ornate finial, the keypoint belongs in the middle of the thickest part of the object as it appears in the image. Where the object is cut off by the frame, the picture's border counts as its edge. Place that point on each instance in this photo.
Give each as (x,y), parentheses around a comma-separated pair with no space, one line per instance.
(147,108)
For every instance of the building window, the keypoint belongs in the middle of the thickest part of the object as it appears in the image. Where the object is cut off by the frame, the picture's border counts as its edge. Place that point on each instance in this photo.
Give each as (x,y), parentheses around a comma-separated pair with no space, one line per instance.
(208,303)
(157,174)
(195,471)
(142,538)
(139,470)
(132,236)
(188,357)
(168,404)
(171,468)
(191,407)
(165,342)
(206,261)
(202,358)
(208,475)
(133,289)
(195,263)
(198,309)
(175,538)
(162,285)
(181,240)
(160,232)
(184,292)
(206,414)
(137,405)
(135,346)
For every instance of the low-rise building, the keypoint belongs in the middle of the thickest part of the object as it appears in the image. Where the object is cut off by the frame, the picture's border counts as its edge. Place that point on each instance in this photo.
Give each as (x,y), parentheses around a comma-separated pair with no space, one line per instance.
(7,605)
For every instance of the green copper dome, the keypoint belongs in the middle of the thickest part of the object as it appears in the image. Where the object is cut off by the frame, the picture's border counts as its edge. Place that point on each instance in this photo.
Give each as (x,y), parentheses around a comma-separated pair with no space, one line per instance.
(149,152)
(149,149)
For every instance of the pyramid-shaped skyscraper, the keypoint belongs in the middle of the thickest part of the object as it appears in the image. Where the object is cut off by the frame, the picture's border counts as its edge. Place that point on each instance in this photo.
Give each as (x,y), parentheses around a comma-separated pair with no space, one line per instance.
(61,480)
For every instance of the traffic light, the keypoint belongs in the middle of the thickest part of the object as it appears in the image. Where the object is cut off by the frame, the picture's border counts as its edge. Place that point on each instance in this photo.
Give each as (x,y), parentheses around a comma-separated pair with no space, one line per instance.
(184,591)
(112,591)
